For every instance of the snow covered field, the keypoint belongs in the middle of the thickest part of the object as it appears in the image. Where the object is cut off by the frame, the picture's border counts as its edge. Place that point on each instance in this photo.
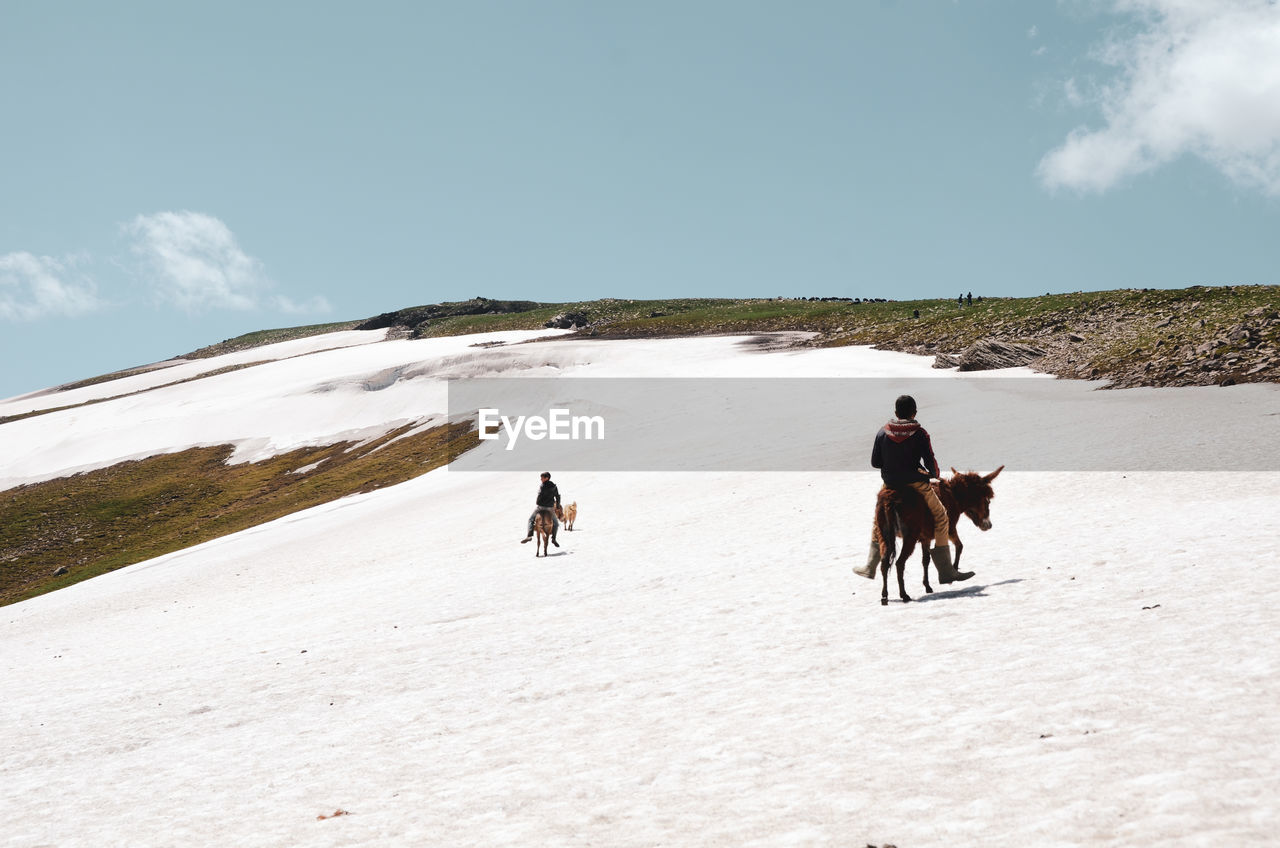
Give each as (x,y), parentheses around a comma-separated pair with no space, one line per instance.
(695,666)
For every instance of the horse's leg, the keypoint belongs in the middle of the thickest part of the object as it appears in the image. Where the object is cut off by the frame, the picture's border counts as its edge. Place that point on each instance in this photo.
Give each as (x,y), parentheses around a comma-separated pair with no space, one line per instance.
(886,556)
(908,547)
(902,587)
(955,538)
(924,551)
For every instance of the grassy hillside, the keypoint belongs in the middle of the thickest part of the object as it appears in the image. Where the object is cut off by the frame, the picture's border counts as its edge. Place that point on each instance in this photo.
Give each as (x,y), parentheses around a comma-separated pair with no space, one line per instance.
(1152,337)
(266,337)
(63,531)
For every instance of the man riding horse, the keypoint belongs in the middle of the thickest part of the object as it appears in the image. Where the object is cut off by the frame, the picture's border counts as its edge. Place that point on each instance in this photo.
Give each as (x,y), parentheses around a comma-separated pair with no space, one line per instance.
(904,455)
(548,499)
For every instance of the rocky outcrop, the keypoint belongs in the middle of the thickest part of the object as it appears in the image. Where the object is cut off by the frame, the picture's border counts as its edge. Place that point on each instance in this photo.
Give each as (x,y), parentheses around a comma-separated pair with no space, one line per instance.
(1194,337)
(415,316)
(989,355)
(568,321)
(1245,352)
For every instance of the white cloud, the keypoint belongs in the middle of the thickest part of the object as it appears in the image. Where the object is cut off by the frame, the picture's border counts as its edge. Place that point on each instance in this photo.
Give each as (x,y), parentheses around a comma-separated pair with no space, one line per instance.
(1033,32)
(1198,77)
(194,262)
(1071,91)
(310,306)
(34,287)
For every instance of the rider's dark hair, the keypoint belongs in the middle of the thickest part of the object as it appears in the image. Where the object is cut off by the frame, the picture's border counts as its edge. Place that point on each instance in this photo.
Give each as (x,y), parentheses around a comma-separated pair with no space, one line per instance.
(905,406)
(547,474)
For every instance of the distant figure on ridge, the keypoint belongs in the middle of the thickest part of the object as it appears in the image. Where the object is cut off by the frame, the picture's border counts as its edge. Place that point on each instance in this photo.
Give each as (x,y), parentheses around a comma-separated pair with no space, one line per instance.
(548,500)
(904,455)
(969,299)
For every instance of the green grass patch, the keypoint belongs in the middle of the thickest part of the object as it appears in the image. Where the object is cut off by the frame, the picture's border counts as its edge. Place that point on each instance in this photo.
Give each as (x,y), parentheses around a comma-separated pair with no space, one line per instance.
(95,522)
(616,318)
(266,337)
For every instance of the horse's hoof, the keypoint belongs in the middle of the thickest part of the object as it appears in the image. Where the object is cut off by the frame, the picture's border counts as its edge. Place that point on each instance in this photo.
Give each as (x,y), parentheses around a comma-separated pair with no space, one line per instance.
(905,599)
(928,590)
(884,602)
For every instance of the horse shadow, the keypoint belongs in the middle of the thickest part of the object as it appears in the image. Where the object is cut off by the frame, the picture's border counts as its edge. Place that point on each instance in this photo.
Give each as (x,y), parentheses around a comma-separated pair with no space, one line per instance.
(979,591)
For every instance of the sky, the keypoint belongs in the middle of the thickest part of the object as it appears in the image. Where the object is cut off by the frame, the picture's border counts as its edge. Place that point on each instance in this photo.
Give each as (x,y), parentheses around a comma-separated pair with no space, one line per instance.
(177,174)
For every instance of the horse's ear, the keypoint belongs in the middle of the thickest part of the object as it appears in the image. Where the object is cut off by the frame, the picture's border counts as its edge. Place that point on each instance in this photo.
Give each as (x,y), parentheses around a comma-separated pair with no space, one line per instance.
(954,473)
(993,474)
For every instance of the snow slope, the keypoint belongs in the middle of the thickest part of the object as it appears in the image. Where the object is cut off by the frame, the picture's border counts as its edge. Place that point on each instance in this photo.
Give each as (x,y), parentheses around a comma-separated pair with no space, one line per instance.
(177,370)
(695,666)
(319,390)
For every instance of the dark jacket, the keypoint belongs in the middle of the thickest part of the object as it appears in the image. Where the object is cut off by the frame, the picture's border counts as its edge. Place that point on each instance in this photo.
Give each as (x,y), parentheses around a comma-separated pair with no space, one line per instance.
(903,453)
(548,494)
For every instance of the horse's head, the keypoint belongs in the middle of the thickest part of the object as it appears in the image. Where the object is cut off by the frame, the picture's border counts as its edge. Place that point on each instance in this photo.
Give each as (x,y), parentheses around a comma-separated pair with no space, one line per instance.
(973,493)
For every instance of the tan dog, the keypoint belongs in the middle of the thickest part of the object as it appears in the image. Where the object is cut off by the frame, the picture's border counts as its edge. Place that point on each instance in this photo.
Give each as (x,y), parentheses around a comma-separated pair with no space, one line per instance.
(570,514)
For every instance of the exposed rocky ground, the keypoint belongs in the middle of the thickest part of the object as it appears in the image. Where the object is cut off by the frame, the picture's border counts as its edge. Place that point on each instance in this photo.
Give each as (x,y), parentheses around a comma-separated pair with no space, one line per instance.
(1115,347)
(1176,351)
(1188,337)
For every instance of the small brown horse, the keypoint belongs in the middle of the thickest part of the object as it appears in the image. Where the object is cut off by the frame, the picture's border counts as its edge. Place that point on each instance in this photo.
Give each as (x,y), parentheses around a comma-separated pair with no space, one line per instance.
(905,514)
(543,524)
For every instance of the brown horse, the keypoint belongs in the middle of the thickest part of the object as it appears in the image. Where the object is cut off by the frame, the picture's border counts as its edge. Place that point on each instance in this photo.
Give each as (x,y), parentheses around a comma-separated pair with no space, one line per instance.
(543,524)
(904,513)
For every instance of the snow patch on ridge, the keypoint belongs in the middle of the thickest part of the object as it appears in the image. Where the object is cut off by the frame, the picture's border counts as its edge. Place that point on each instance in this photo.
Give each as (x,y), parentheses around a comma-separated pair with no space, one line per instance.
(320,390)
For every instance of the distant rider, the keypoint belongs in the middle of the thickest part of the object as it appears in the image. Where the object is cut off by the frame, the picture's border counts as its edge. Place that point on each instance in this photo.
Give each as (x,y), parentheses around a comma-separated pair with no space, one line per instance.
(548,498)
(904,455)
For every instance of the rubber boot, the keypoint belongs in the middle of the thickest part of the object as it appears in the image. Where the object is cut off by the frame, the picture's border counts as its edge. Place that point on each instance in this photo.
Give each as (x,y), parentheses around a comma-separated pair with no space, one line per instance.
(554,533)
(941,558)
(873,559)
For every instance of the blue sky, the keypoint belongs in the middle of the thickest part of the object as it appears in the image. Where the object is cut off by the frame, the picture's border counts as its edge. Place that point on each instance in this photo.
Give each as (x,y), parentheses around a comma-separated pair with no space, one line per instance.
(175,173)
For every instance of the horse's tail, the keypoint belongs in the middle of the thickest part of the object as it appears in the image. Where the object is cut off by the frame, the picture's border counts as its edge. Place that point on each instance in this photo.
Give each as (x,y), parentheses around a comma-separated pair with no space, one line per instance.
(884,525)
